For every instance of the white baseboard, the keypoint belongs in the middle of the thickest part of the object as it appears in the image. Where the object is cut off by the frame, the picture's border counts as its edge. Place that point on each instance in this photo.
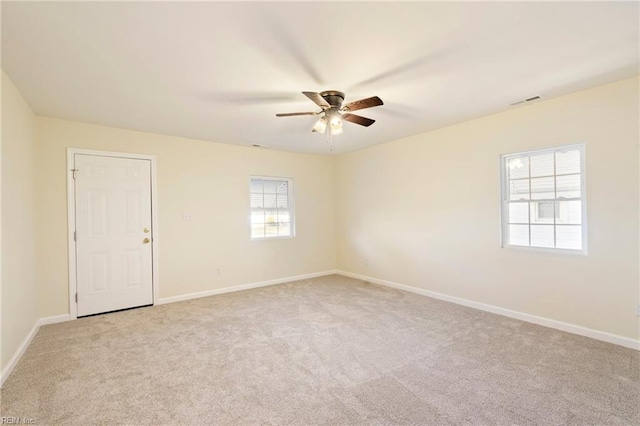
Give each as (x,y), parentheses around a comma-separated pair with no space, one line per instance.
(241,287)
(546,322)
(6,372)
(16,356)
(54,320)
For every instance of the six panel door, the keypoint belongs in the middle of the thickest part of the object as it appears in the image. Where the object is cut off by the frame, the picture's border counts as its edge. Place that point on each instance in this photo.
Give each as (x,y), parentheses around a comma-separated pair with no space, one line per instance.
(113,233)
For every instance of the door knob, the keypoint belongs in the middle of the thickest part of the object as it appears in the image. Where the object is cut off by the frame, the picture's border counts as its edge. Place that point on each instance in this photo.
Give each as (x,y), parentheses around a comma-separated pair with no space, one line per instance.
(146,241)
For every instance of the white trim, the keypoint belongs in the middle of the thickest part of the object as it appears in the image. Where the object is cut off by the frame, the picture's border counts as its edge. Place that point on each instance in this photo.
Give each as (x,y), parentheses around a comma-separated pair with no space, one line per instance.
(27,341)
(583,195)
(242,287)
(6,372)
(54,320)
(534,319)
(552,250)
(71,220)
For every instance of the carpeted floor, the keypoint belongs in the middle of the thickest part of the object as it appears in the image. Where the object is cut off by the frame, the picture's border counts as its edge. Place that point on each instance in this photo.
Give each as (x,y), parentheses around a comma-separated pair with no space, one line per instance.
(331,350)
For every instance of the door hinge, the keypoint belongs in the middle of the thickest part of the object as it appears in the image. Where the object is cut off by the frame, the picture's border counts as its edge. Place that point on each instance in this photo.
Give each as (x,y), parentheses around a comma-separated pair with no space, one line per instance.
(73,173)
(76,297)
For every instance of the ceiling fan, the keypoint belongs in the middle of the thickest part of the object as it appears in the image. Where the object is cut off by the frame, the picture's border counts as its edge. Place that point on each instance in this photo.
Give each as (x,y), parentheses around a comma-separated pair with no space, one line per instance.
(333,112)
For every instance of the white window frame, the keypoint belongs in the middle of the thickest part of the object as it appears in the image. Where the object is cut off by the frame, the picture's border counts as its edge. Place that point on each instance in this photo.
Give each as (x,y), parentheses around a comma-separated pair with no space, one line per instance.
(292,211)
(504,199)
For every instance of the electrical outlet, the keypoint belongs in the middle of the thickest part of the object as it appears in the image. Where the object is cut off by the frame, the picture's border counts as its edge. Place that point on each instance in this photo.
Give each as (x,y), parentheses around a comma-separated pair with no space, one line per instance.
(186,217)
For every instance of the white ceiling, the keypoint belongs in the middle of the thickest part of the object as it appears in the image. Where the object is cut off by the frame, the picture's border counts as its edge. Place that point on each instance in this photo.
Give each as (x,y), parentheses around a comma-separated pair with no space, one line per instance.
(221,71)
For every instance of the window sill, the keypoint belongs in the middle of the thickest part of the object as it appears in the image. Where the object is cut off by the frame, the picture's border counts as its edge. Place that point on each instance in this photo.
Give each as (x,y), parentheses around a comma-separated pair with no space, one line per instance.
(581,252)
(272,238)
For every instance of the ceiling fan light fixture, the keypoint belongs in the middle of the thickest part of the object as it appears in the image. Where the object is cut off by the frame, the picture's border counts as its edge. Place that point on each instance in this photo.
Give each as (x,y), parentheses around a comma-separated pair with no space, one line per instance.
(336,125)
(321,125)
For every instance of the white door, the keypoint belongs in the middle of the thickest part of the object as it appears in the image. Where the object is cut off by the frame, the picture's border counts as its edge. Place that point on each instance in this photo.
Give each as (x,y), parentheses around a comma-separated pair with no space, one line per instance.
(113,233)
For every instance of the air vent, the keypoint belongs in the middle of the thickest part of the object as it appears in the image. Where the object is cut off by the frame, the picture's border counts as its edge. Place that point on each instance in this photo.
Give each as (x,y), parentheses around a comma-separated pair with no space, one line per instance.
(526,101)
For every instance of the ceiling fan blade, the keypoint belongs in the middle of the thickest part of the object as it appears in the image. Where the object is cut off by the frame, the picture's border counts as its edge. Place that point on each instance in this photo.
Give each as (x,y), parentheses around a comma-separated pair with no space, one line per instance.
(363,103)
(363,121)
(246,98)
(291,114)
(319,100)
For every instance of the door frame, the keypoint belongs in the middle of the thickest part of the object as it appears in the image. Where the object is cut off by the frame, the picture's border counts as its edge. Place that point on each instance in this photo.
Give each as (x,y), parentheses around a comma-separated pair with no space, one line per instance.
(71,220)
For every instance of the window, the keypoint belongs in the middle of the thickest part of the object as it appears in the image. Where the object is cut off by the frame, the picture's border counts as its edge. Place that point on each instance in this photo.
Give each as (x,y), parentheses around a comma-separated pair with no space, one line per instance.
(543,199)
(271,207)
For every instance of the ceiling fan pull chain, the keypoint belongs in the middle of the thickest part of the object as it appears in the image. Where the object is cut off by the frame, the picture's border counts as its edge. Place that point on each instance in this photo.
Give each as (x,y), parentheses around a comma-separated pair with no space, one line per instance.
(329,138)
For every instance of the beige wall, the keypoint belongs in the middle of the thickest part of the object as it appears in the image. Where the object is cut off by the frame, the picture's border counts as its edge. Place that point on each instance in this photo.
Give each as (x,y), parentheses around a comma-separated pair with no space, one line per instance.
(208,180)
(424,211)
(19,299)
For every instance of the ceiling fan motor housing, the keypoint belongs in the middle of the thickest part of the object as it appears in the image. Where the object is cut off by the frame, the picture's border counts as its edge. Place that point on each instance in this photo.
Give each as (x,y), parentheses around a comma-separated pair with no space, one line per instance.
(333,97)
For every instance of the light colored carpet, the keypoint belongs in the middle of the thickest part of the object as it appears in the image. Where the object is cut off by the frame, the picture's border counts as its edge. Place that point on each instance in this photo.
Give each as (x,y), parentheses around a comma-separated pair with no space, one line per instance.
(331,350)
